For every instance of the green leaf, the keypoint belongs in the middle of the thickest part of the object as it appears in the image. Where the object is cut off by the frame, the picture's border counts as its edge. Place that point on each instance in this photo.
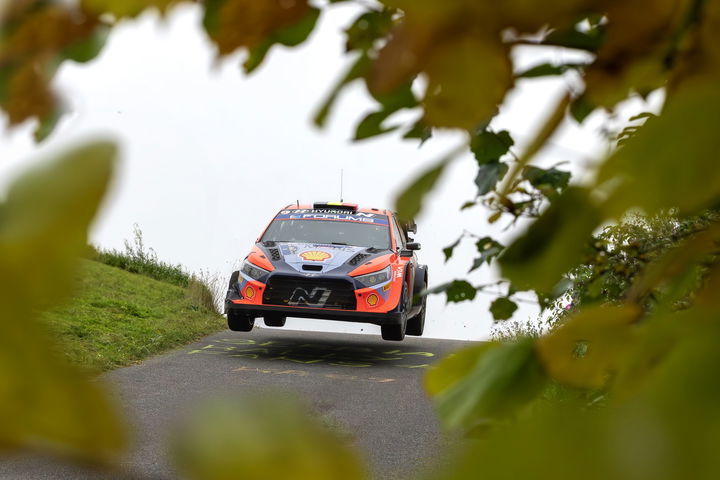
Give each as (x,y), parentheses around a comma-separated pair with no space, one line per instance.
(589,40)
(553,244)
(504,378)
(453,368)
(448,251)
(367,29)
(488,249)
(290,36)
(456,291)
(409,203)
(502,308)
(538,177)
(48,123)
(581,108)
(419,131)
(261,437)
(357,70)
(488,176)
(372,125)
(88,48)
(489,146)
(549,69)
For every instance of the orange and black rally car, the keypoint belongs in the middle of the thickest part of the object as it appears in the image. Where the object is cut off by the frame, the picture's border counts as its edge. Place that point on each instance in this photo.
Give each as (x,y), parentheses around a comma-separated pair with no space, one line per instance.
(332,261)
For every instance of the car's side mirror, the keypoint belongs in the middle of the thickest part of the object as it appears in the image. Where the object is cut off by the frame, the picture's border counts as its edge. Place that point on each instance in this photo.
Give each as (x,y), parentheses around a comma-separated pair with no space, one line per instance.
(412,246)
(405,253)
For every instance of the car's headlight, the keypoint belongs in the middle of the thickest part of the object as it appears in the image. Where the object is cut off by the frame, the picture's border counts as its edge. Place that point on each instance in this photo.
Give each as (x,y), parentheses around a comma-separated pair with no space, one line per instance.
(252,270)
(375,278)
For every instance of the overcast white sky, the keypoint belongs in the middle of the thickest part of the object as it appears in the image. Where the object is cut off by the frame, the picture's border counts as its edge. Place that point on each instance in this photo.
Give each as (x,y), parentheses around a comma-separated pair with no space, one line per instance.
(210,155)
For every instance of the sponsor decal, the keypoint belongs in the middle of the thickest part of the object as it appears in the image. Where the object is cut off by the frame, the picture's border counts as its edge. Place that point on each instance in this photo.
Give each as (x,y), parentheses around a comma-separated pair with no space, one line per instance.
(361,217)
(315,297)
(315,256)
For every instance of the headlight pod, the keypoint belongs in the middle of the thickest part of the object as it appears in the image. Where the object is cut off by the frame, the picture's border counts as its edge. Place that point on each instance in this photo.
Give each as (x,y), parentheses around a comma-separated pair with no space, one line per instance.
(375,278)
(253,271)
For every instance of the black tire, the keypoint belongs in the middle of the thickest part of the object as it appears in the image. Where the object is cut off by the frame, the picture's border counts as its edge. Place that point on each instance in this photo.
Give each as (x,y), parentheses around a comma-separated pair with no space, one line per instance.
(239,322)
(233,280)
(416,324)
(419,284)
(396,332)
(275,321)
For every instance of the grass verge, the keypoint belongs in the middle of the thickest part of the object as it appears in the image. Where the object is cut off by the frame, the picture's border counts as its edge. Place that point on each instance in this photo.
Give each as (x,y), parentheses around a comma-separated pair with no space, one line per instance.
(118,318)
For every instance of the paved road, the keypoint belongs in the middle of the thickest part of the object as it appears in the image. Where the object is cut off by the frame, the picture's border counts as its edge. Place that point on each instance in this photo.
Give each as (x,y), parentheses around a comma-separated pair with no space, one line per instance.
(371,387)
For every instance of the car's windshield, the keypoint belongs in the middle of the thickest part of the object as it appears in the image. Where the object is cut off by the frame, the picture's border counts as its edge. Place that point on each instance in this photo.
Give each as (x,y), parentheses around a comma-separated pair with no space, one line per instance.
(330,232)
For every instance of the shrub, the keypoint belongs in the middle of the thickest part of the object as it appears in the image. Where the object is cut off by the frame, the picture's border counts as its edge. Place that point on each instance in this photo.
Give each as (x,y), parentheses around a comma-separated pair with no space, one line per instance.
(137,258)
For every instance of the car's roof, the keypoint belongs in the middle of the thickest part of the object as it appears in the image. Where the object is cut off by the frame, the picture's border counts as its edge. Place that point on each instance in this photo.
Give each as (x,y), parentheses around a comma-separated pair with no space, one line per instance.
(380,211)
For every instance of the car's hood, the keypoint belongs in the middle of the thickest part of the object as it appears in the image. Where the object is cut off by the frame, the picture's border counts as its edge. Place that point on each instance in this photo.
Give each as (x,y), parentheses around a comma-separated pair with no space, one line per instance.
(328,257)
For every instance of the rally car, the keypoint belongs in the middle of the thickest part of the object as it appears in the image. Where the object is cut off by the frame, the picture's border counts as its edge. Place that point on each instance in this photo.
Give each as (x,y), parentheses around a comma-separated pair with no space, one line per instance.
(332,261)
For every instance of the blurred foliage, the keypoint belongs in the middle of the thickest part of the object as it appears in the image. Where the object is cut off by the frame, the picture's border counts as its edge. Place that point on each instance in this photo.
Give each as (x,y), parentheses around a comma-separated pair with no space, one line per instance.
(645,333)
(44,403)
(620,254)
(261,437)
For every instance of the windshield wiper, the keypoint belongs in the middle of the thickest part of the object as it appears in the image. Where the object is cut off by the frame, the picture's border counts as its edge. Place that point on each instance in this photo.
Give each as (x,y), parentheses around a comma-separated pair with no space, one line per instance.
(338,243)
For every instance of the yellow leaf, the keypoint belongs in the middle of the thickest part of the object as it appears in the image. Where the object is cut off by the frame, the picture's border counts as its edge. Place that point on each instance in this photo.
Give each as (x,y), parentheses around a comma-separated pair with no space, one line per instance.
(34,37)
(585,350)
(700,59)
(234,24)
(467,81)
(45,30)
(262,438)
(28,94)
(44,403)
(670,163)
(527,17)
(638,37)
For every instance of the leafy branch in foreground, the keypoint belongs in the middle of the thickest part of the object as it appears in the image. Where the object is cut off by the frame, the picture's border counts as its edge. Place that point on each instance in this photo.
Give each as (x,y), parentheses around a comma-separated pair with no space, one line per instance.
(652,360)
(46,404)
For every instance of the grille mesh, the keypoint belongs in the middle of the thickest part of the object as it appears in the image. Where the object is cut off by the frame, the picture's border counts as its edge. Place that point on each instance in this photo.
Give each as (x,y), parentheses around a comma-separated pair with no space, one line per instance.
(274,254)
(310,292)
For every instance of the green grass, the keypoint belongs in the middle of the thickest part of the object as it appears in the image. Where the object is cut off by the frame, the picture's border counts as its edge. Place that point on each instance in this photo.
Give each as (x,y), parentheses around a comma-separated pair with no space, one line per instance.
(118,318)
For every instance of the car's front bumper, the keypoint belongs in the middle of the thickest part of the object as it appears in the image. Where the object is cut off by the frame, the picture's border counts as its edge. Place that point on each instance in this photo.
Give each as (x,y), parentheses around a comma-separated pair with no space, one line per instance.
(254,310)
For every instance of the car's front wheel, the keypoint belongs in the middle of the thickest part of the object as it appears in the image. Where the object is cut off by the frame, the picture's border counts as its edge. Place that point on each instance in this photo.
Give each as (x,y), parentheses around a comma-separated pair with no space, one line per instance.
(275,321)
(416,324)
(239,322)
(396,332)
(393,332)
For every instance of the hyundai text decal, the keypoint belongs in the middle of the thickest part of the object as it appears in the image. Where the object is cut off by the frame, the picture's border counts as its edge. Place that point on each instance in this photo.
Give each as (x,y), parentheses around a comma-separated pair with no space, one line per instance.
(332,215)
(315,297)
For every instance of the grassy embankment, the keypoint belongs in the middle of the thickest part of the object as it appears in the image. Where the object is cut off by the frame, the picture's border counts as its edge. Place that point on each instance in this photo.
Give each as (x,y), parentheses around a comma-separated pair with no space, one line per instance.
(119,317)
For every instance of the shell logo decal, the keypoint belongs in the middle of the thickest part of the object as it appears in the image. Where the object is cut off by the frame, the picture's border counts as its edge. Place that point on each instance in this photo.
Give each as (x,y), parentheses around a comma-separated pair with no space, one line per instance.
(315,256)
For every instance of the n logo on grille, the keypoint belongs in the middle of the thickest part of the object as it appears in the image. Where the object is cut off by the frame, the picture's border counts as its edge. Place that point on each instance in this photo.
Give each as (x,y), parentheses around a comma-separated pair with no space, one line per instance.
(316,297)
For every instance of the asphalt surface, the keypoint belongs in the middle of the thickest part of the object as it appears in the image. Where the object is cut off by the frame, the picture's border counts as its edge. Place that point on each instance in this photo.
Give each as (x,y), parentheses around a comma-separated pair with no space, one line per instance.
(370,387)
